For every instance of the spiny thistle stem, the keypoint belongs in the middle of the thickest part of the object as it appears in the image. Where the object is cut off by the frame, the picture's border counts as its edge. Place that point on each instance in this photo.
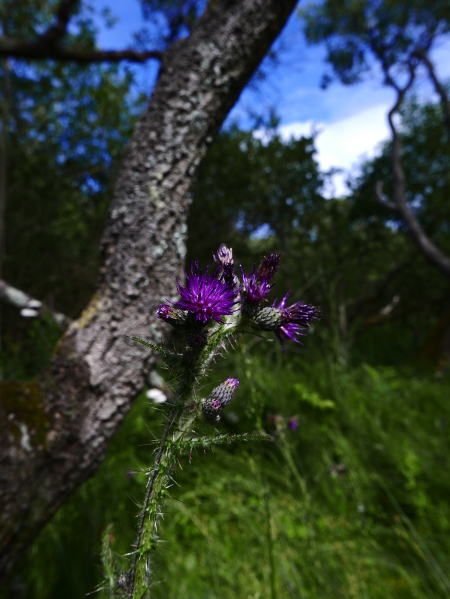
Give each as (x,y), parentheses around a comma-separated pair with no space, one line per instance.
(211,310)
(164,462)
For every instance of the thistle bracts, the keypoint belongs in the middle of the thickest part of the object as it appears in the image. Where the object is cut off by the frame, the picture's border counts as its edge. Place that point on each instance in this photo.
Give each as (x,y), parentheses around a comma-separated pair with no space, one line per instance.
(219,398)
(286,322)
(269,319)
(178,319)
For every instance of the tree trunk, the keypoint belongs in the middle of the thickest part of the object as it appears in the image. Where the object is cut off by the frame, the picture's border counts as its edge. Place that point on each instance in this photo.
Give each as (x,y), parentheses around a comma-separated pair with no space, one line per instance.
(58,427)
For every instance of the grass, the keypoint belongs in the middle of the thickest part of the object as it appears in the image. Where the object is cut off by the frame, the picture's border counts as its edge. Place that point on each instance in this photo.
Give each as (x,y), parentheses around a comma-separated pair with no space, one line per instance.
(354,503)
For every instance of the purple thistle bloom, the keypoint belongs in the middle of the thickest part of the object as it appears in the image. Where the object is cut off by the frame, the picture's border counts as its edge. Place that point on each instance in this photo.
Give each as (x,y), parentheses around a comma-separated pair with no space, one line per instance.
(300,312)
(205,296)
(289,331)
(293,423)
(255,287)
(297,314)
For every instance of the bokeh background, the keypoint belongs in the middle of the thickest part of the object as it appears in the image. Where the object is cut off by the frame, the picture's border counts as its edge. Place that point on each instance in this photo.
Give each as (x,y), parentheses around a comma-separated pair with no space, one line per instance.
(351,499)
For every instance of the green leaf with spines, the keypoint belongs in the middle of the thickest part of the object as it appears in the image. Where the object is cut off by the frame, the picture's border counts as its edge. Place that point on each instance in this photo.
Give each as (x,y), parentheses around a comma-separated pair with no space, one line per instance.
(221,439)
(171,356)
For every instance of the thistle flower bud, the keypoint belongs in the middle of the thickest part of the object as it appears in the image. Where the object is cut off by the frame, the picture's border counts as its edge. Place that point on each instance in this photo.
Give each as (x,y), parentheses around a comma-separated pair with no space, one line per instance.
(270,319)
(173,316)
(254,289)
(224,257)
(268,267)
(219,398)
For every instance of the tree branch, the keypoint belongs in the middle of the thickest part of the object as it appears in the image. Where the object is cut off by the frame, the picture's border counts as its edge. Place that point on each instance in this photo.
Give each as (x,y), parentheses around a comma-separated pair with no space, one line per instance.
(382,198)
(440,89)
(58,30)
(37,51)
(47,47)
(425,245)
(28,306)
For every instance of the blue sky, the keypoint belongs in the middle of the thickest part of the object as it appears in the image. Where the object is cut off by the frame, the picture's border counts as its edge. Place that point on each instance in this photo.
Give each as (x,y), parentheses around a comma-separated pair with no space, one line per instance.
(351,121)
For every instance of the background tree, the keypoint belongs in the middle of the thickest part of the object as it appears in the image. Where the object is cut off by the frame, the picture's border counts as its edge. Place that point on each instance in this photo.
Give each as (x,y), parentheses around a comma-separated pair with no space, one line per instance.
(399,38)
(249,189)
(74,408)
(67,130)
(348,255)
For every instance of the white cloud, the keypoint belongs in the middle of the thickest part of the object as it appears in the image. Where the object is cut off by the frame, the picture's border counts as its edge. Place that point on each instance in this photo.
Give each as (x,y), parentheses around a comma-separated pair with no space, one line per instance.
(344,143)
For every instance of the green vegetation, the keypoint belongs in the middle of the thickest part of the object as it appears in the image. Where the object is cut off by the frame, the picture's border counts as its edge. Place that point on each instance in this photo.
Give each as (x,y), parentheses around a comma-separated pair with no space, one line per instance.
(354,503)
(67,128)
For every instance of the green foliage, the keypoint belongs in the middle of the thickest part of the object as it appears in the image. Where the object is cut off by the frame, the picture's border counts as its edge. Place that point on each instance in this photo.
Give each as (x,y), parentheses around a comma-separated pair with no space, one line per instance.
(170,357)
(247,188)
(355,498)
(426,159)
(358,32)
(210,441)
(426,162)
(349,256)
(313,398)
(28,354)
(67,130)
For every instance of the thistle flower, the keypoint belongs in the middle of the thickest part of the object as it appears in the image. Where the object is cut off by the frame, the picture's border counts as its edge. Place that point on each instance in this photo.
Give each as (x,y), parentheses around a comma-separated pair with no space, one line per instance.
(293,423)
(257,285)
(256,289)
(300,312)
(294,316)
(219,398)
(205,296)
